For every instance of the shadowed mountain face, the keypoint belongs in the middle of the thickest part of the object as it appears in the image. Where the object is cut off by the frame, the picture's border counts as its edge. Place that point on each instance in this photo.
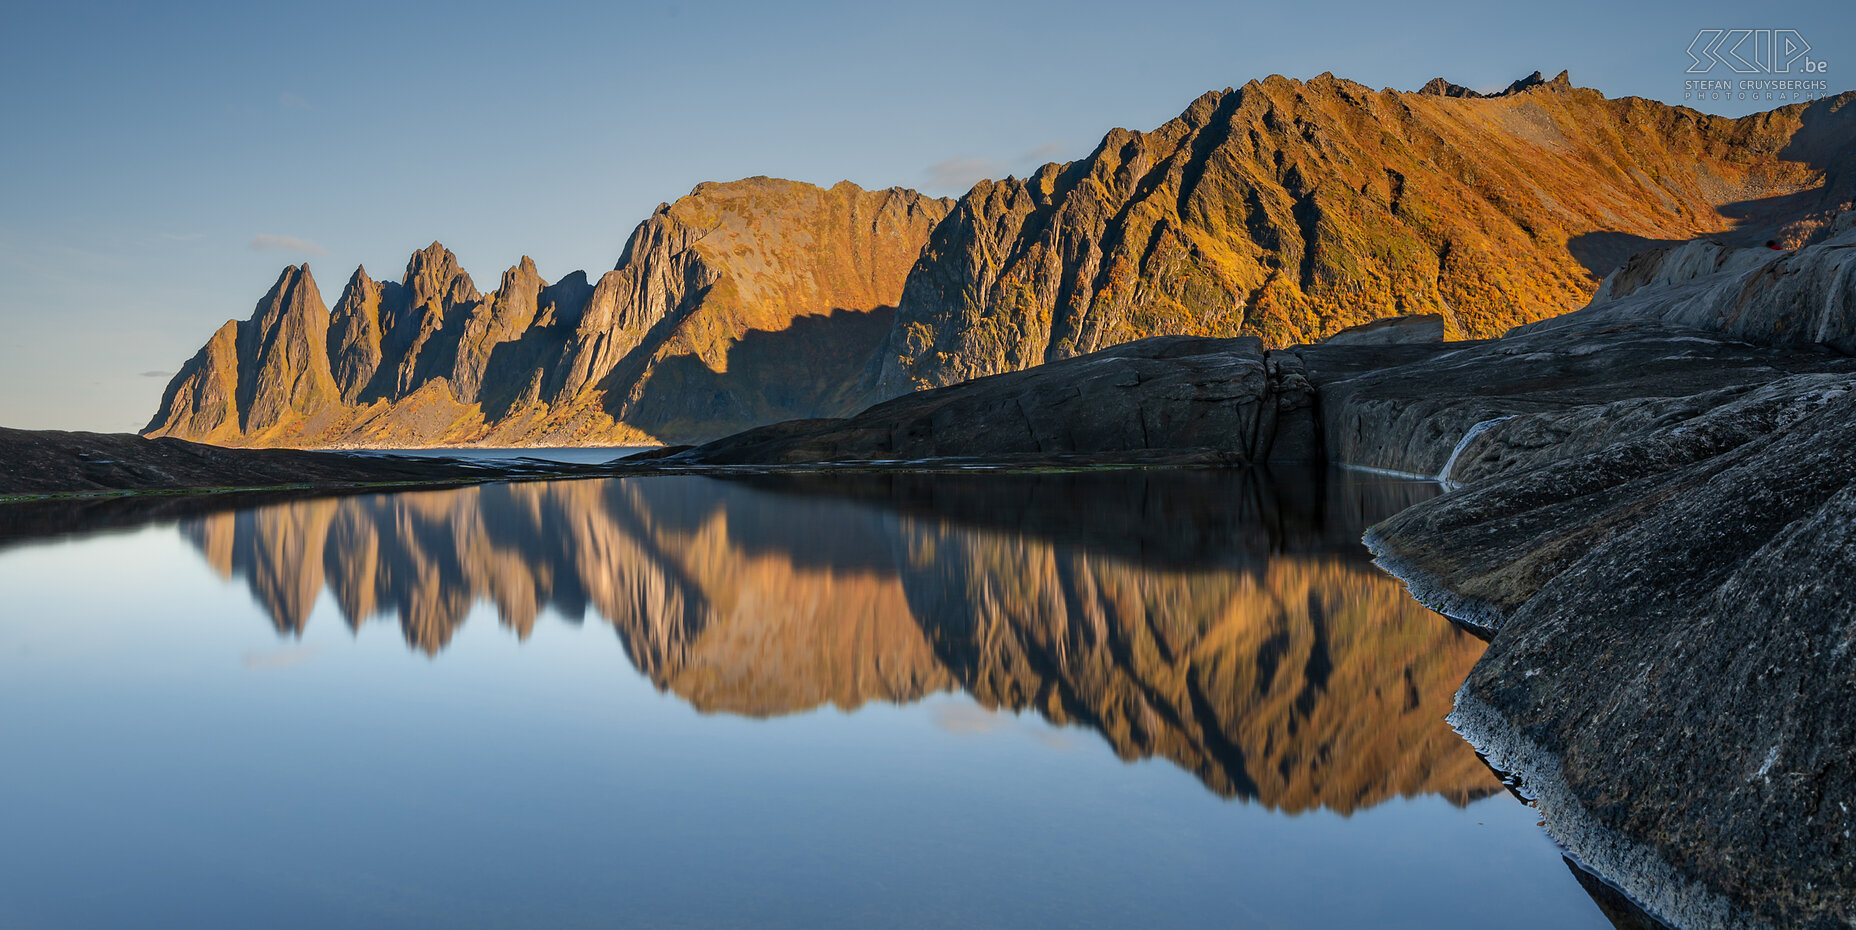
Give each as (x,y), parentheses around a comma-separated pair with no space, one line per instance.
(1229,625)
(739,304)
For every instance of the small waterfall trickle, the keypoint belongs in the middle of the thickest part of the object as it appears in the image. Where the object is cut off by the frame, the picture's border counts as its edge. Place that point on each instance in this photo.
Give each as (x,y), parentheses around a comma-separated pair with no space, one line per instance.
(1443,476)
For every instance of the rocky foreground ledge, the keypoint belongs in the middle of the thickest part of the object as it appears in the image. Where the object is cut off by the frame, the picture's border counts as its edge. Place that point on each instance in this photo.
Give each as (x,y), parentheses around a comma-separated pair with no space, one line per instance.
(1668,581)
(40,463)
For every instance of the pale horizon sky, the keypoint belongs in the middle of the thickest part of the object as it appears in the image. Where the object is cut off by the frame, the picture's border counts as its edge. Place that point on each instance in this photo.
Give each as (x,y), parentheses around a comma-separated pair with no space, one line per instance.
(164,162)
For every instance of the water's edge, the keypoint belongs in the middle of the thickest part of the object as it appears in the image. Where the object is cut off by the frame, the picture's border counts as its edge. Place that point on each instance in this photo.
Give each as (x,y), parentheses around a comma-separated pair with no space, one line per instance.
(1633,869)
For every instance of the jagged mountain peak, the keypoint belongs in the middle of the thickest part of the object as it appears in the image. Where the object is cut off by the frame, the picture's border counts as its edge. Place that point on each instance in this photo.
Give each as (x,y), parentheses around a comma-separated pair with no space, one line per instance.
(294,292)
(522,274)
(282,367)
(288,285)
(1561,81)
(434,260)
(436,281)
(1439,87)
(434,255)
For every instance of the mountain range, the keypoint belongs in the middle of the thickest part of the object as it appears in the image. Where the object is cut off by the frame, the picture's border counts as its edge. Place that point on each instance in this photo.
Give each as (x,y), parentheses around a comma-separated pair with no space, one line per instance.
(1284,209)
(741,303)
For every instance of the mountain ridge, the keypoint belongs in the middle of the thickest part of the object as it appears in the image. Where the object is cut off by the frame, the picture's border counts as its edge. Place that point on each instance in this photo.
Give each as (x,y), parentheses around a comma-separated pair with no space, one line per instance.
(1283,209)
(705,284)
(1288,210)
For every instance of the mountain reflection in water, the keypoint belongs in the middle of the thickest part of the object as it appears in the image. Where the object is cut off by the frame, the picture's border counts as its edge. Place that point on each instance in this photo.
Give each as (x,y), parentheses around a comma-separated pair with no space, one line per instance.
(1229,623)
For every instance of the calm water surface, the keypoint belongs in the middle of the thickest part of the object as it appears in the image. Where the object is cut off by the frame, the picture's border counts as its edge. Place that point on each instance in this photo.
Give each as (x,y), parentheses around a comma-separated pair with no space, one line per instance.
(1125,700)
(588,455)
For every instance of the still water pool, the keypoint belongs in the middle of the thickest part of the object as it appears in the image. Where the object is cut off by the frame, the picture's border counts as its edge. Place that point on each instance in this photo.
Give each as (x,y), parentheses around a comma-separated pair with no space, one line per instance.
(1113,700)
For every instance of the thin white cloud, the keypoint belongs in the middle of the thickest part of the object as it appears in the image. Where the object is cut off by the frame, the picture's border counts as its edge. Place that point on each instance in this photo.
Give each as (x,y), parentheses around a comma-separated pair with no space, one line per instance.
(1048,152)
(964,718)
(265,242)
(958,175)
(291,101)
(968,719)
(282,658)
(157,374)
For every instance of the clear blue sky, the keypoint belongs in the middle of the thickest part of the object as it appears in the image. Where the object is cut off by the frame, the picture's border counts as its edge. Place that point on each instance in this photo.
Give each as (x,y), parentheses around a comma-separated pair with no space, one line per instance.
(163,161)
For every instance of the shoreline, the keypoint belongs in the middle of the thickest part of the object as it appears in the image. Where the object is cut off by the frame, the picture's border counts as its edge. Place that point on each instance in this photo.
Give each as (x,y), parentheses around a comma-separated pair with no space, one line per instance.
(1632,869)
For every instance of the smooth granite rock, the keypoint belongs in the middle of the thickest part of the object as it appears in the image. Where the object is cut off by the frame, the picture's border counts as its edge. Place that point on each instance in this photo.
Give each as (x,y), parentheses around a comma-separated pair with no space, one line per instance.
(1657,526)
(1410,408)
(1761,295)
(1671,669)
(1397,330)
(1169,398)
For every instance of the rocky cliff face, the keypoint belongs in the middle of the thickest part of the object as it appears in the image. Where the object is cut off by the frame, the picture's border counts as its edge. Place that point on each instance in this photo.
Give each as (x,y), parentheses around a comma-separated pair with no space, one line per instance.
(1674,332)
(1289,210)
(254,376)
(739,304)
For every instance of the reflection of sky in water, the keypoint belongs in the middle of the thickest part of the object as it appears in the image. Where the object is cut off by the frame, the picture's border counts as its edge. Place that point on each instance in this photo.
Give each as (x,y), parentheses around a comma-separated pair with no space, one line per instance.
(174,761)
